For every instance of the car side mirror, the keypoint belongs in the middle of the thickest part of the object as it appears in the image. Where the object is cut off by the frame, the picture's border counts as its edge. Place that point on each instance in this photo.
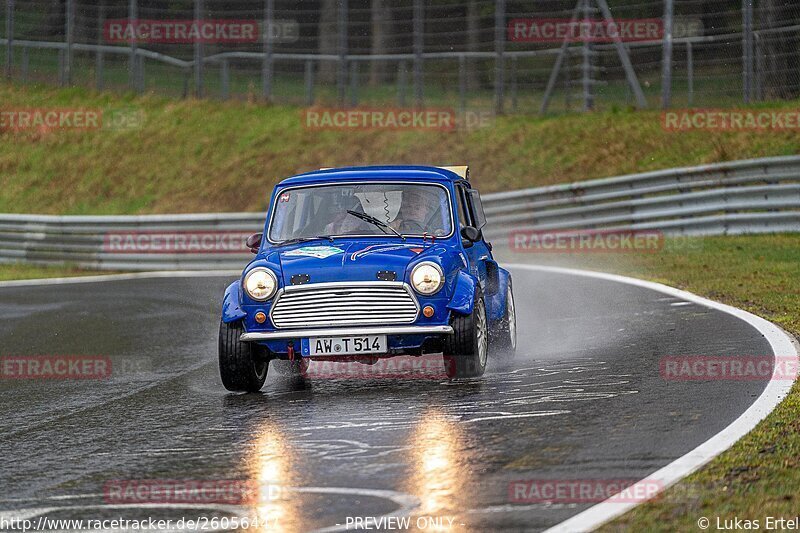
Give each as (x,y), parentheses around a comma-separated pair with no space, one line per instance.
(470,235)
(254,242)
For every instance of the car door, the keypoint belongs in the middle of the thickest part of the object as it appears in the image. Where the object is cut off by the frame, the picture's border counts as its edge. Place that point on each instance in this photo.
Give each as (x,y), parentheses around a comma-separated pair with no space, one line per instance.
(471,211)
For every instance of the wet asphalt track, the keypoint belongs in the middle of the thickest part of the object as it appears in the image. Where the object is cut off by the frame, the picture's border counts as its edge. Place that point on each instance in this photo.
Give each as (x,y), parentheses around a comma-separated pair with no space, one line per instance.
(584,399)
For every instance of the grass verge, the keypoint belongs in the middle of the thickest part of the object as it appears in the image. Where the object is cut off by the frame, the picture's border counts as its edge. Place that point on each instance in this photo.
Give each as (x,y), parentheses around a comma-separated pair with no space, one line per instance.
(759,475)
(199,156)
(18,271)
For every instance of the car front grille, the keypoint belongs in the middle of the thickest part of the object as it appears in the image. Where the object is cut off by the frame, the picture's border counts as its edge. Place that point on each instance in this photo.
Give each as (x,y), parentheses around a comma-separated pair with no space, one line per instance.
(345,304)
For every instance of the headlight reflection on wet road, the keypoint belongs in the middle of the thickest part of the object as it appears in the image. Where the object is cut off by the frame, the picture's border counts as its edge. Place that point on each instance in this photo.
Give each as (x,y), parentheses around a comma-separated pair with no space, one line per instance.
(270,467)
(440,470)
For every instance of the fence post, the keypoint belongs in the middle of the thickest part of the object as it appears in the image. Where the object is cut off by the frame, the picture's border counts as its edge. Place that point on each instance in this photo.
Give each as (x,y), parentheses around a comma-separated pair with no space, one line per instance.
(747,49)
(9,36)
(309,82)
(690,71)
(666,62)
(98,60)
(267,65)
(341,68)
(133,17)
(499,49)
(419,28)
(70,35)
(224,79)
(198,51)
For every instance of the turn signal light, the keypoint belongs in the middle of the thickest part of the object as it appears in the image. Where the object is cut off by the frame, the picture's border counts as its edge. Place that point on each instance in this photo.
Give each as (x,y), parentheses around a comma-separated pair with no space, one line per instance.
(261,317)
(427,311)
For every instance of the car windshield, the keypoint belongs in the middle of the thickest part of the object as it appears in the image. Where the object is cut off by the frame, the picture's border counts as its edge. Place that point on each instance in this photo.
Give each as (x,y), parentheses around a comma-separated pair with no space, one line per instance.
(367,209)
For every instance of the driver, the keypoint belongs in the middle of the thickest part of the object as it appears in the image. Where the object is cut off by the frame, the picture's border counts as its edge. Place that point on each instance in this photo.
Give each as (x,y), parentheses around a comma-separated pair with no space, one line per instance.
(418,208)
(342,223)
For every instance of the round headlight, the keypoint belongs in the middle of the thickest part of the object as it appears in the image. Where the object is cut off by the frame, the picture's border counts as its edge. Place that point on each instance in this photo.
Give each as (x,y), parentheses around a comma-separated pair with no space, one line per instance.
(260,284)
(427,278)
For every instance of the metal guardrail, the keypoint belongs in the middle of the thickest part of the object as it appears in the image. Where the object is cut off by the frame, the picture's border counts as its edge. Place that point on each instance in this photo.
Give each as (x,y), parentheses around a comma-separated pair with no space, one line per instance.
(86,241)
(753,196)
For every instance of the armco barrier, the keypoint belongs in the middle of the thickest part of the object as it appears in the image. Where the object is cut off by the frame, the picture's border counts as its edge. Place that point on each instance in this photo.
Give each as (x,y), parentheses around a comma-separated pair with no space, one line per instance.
(753,196)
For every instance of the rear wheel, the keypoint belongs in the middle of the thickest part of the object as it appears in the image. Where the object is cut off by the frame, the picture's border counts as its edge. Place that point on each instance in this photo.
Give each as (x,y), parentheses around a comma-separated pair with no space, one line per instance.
(242,365)
(504,339)
(466,350)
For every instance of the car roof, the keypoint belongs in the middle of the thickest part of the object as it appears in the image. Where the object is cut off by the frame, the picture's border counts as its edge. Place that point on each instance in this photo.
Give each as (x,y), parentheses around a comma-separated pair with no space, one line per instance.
(385,172)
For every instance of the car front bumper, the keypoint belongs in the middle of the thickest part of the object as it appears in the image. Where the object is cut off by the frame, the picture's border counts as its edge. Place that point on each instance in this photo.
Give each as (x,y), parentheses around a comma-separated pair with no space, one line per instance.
(345,332)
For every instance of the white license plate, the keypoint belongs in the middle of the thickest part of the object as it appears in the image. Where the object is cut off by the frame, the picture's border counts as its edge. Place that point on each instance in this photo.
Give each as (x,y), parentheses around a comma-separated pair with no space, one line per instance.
(344,345)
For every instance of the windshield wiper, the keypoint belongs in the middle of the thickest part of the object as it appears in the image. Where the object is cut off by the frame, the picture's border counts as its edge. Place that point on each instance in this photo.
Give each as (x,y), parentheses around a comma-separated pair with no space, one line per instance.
(377,222)
(304,239)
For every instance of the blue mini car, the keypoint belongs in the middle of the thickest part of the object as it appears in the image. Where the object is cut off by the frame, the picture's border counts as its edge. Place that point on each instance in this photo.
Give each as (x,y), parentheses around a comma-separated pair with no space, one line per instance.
(368,262)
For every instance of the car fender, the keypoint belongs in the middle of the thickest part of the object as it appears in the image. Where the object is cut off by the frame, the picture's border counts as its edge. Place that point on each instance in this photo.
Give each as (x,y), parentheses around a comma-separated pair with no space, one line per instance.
(231,303)
(496,303)
(463,298)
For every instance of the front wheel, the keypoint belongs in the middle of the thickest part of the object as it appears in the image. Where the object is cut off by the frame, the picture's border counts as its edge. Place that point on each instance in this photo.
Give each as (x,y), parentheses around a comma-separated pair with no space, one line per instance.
(242,365)
(466,350)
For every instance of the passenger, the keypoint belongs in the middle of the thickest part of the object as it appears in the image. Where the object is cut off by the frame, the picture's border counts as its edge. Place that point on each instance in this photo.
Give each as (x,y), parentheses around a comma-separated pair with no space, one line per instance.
(343,223)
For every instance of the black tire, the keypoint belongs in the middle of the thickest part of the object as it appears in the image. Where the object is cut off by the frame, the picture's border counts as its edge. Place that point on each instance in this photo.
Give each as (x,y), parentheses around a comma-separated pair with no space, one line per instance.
(466,351)
(504,337)
(242,365)
(296,368)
